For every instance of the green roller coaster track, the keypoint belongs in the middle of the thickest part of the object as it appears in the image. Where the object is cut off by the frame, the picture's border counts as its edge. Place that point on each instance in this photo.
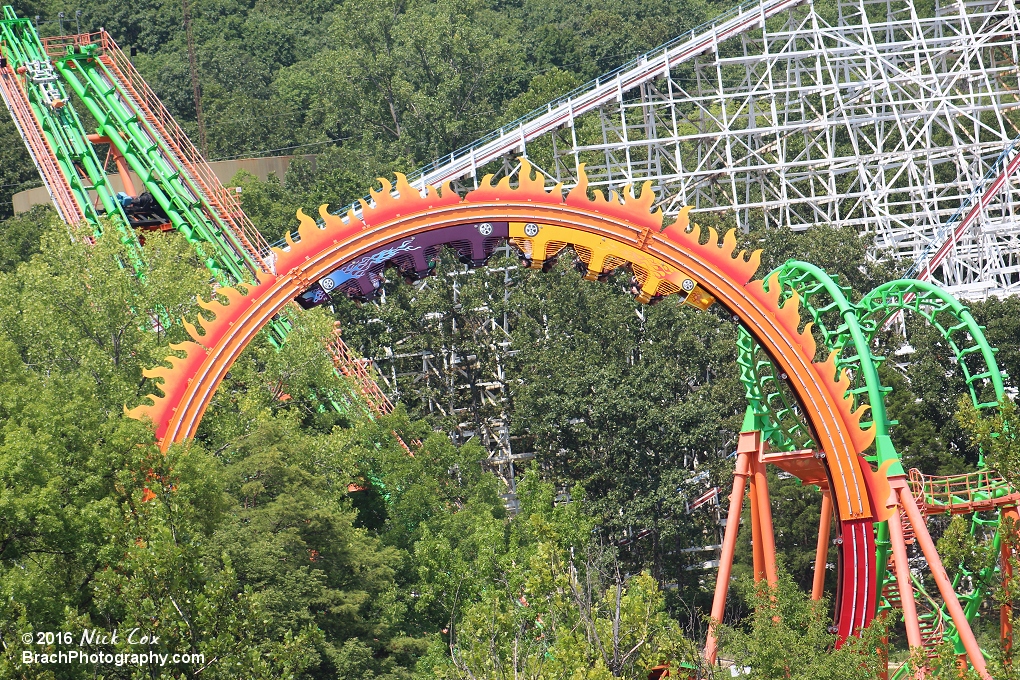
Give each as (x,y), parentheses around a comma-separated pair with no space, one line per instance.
(119,118)
(849,329)
(62,127)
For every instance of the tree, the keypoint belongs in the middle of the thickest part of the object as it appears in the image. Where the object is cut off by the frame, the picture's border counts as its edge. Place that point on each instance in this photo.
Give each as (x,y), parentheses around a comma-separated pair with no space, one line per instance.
(550,604)
(787,637)
(240,547)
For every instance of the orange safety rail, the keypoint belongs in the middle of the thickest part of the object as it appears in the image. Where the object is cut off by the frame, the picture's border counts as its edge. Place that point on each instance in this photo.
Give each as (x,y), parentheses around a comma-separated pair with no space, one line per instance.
(908,532)
(359,370)
(39,148)
(961,494)
(188,158)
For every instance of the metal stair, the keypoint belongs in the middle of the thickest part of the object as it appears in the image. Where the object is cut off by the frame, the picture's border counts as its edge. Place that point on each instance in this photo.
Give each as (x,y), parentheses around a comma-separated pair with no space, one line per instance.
(929,615)
(38,147)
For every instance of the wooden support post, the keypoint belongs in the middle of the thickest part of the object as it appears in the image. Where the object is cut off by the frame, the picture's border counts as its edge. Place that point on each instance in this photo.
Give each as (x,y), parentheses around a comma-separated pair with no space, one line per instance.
(722,583)
(822,551)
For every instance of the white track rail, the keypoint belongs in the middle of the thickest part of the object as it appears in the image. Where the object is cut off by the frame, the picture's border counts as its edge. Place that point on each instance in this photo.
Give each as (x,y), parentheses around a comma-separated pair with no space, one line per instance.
(604,89)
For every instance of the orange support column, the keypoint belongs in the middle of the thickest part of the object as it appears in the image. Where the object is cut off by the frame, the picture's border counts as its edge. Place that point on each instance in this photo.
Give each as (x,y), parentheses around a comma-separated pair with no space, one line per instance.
(822,551)
(899,548)
(758,560)
(118,158)
(766,533)
(722,583)
(1006,567)
(941,577)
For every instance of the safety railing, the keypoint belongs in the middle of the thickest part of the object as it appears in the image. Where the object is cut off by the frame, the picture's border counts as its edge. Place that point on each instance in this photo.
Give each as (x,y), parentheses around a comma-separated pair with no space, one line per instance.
(39,148)
(359,371)
(958,494)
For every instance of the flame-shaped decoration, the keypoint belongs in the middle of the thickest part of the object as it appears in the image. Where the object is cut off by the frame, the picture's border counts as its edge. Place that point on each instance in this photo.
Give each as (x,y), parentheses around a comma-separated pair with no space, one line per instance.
(400,203)
(840,391)
(177,376)
(739,267)
(173,386)
(632,209)
(837,384)
(788,315)
(883,499)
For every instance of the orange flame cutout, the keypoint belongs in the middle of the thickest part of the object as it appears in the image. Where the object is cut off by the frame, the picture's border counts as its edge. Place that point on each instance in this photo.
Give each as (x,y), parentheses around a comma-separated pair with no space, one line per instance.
(739,267)
(788,316)
(177,376)
(839,389)
(396,202)
(883,499)
(175,382)
(631,209)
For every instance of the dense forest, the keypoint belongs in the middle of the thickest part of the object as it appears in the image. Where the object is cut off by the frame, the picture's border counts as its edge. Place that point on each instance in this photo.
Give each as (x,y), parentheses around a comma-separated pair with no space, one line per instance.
(251,546)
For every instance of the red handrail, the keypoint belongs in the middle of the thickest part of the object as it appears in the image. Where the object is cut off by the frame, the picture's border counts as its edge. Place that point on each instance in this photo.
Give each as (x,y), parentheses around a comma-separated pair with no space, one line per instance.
(39,148)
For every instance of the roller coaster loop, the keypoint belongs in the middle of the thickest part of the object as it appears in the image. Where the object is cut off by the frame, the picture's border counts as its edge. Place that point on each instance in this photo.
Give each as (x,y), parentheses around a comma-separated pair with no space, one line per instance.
(405,228)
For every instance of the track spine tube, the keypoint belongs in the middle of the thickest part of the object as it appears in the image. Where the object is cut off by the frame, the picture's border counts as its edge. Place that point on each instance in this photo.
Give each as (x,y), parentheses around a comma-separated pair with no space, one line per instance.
(219,234)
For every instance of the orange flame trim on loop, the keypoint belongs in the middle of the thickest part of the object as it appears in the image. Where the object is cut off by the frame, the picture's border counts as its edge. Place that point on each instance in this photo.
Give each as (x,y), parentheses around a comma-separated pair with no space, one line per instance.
(176,377)
(839,389)
(739,267)
(174,383)
(396,201)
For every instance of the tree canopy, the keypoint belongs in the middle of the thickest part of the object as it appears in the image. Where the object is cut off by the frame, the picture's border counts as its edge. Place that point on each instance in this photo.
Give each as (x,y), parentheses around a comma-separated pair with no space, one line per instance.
(292,539)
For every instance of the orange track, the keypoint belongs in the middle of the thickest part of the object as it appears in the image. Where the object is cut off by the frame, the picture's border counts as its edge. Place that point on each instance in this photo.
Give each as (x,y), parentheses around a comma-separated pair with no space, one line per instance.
(673,254)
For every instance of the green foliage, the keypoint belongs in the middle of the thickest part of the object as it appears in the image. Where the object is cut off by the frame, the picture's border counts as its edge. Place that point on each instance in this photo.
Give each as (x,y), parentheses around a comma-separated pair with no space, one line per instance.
(787,637)
(548,604)
(245,553)
(662,398)
(997,434)
(20,236)
(374,88)
(1001,319)
(251,549)
(840,251)
(17,173)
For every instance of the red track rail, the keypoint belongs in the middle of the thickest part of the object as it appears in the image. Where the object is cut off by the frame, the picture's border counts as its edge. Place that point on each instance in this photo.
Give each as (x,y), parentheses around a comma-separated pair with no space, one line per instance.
(186,156)
(40,150)
(988,194)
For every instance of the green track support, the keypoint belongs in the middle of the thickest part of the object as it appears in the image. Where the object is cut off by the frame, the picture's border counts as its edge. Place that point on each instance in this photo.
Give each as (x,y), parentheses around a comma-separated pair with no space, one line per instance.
(124,129)
(66,135)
